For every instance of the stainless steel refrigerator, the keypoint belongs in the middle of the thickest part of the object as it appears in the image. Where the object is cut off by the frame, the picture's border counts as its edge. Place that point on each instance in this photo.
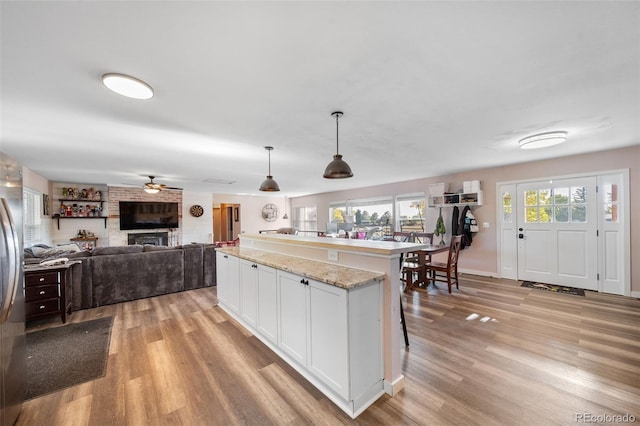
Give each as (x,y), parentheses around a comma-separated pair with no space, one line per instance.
(12,331)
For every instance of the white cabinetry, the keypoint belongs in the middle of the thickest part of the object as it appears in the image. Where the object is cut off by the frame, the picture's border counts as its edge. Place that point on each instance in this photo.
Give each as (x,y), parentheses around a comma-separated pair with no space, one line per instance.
(331,335)
(249,292)
(228,281)
(268,303)
(294,306)
(336,334)
(329,326)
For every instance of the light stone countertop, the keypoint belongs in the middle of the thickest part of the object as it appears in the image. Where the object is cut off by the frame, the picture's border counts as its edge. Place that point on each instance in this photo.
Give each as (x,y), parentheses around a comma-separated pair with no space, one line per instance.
(328,273)
(384,248)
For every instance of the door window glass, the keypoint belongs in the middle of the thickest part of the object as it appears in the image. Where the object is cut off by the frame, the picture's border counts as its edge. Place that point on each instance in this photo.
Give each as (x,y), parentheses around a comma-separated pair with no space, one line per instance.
(610,202)
(507,208)
(560,205)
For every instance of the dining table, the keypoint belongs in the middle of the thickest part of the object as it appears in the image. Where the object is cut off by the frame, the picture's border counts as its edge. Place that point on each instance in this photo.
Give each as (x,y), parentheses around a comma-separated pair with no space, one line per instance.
(423,256)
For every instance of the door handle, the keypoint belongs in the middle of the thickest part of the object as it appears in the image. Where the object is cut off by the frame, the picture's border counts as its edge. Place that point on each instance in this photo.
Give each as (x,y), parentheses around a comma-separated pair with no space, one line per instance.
(13,252)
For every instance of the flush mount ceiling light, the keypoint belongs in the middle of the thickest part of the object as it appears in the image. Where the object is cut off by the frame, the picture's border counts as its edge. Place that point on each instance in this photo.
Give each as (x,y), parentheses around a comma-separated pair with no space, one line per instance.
(338,168)
(128,86)
(269,185)
(543,140)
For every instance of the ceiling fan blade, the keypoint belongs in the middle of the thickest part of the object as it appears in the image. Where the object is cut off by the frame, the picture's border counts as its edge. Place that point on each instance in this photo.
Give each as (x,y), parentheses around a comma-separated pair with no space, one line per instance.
(171,187)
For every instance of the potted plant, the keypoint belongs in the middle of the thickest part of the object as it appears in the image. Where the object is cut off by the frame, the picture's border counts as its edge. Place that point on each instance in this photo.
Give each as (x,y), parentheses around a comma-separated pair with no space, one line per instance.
(440,228)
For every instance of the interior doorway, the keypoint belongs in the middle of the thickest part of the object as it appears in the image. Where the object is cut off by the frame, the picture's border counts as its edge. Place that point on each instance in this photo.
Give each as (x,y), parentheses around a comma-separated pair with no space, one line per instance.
(226,222)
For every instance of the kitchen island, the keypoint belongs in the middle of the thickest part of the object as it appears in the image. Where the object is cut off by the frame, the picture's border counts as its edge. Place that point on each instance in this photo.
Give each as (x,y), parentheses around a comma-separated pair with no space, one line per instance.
(329,307)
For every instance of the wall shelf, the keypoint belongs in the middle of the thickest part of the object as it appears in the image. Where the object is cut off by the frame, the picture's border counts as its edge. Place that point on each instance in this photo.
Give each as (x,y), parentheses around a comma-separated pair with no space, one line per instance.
(459,199)
(58,217)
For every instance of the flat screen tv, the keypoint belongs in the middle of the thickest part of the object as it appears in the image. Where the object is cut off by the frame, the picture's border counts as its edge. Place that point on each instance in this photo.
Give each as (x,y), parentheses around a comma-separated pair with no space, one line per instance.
(148,215)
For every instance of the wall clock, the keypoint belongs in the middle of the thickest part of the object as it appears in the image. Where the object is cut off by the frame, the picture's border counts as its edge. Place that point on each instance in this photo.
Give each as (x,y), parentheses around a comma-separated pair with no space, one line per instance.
(270,212)
(196,210)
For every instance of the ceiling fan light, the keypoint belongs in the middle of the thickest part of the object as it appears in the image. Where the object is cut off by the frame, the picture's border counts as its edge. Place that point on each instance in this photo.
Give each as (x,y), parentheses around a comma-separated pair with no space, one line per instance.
(128,86)
(151,190)
(543,140)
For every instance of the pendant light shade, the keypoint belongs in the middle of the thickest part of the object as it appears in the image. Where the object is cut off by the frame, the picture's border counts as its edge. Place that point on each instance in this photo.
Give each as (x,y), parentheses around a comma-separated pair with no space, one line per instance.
(338,168)
(269,185)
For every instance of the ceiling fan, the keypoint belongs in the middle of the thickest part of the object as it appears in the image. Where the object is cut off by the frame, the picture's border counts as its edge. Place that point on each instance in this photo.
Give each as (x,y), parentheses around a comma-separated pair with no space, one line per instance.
(152,187)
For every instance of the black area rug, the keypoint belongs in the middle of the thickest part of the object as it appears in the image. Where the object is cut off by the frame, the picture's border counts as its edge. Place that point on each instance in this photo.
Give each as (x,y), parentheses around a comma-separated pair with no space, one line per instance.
(553,288)
(65,356)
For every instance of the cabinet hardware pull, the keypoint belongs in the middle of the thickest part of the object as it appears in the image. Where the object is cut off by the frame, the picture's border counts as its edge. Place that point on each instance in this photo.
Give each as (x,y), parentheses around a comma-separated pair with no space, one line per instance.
(42,292)
(226,257)
(42,306)
(41,279)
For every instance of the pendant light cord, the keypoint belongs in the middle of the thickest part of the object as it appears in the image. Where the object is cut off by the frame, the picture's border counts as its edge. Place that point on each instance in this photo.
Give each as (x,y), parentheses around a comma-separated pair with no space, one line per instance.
(337,135)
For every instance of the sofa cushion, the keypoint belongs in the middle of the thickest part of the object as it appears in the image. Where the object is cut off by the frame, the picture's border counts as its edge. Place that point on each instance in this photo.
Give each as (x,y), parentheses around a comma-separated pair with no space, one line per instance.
(101,251)
(122,277)
(151,247)
(52,252)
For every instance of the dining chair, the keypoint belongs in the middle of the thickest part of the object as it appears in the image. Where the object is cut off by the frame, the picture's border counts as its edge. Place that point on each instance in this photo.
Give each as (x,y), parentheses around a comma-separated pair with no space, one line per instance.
(403,237)
(446,272)
(412,273)
(423,237)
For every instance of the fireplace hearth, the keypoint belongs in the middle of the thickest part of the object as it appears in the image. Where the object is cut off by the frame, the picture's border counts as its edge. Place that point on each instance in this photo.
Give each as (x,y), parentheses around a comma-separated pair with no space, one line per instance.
(152,238)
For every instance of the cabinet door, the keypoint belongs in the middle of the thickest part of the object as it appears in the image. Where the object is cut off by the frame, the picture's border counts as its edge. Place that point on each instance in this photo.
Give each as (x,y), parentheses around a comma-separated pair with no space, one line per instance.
(228,281)
(222,277)
(249,292)
(293,303)
(268,303)
(329,336)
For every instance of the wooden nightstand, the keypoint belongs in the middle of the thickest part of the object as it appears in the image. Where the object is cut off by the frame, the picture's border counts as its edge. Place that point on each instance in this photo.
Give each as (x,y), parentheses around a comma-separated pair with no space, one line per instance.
(47,291)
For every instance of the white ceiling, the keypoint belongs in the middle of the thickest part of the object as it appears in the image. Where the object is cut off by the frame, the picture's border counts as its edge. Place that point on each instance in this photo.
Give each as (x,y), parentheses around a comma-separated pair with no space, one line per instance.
(427,88)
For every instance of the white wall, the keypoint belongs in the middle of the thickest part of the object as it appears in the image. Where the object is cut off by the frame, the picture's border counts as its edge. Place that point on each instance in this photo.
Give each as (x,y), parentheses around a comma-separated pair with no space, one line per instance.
(197,229)
(251,211)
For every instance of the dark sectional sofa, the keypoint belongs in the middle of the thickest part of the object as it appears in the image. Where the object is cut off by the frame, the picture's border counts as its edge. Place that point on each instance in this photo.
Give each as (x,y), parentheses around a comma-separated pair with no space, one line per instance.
(117,274)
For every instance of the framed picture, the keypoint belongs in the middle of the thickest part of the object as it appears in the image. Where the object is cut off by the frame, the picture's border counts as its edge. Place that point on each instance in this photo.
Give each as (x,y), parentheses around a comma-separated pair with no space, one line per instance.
(45,204)
(236,214)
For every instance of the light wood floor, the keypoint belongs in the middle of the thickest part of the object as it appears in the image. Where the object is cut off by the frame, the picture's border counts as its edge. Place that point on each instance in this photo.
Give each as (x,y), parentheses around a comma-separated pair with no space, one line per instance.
(530,358)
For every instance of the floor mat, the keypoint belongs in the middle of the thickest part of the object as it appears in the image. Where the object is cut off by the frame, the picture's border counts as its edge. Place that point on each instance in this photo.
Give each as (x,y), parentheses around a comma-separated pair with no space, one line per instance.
(553,288)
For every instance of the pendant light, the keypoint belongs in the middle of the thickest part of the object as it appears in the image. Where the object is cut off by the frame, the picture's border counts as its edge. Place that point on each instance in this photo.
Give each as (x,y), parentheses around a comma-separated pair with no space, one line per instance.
(338,168)
(269,185)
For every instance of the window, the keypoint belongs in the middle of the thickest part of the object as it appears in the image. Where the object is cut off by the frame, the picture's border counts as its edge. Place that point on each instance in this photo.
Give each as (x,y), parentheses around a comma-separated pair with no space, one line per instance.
(557,205)
(411,213)
(338,212)
(305,218)
(32,217)
(373,212)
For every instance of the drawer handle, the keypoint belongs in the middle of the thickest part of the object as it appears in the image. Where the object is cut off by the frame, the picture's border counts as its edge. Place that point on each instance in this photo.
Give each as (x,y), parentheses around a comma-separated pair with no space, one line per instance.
(42,306)
(41,279)
(42,292)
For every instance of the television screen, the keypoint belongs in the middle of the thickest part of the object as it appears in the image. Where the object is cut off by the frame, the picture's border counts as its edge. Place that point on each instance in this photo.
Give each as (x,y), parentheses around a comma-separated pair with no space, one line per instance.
(148,215)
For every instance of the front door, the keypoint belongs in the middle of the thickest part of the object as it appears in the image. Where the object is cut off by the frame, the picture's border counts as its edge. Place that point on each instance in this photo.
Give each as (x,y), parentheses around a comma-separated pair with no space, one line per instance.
(557,232)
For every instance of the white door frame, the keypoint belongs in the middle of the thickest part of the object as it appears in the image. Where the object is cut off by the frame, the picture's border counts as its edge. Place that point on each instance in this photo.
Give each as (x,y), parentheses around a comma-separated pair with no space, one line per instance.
(503,259)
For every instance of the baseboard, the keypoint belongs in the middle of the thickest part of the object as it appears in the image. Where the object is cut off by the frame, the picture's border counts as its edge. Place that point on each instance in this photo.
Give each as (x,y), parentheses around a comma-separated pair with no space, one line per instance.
(635,294)
(393,388)
(481,273)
